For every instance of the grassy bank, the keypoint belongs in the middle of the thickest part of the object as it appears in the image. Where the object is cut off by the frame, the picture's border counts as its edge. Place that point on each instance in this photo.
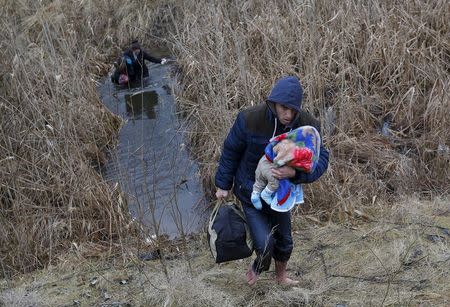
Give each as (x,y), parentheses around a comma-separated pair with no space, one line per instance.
(398,258)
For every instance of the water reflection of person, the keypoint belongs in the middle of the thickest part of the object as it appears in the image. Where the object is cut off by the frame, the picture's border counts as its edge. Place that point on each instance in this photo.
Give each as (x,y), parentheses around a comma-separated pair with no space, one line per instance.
(132,63)
(242,149)
(139,103)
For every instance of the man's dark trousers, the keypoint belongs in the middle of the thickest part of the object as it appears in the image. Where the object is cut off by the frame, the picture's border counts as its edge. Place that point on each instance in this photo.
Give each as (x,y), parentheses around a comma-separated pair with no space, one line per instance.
(271,234)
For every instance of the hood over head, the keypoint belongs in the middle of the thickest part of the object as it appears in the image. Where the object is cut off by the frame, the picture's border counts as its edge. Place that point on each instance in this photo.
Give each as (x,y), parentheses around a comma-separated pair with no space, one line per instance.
(287,91)
(135,45)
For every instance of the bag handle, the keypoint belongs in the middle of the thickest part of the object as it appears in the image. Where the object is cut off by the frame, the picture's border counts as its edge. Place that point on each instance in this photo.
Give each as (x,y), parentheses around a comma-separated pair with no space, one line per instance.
(213,215)
(239,212)
(237,208)
(220,202)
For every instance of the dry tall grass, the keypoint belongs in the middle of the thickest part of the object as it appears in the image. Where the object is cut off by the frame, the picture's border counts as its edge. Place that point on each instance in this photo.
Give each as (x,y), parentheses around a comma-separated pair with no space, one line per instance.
(399,258)
(53,128)
(375,72)
(364,65)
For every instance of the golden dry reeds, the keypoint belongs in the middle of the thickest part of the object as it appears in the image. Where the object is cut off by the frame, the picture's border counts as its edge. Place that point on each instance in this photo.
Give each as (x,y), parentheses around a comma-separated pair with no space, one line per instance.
(54,129)
(376,73)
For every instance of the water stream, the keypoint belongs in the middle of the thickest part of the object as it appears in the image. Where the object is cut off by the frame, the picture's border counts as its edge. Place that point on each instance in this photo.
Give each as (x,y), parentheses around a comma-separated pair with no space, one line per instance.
(151,163)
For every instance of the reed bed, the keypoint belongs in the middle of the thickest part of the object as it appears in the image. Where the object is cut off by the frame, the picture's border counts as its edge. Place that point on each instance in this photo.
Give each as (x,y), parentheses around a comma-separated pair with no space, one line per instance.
(376,73)
(54,131)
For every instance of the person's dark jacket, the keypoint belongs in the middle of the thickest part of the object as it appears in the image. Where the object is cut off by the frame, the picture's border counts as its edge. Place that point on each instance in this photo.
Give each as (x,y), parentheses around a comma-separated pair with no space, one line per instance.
(250,134)
(138,69)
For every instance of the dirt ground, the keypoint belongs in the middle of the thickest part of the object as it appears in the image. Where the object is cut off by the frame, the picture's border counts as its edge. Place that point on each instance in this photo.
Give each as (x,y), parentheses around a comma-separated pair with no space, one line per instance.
(400,257)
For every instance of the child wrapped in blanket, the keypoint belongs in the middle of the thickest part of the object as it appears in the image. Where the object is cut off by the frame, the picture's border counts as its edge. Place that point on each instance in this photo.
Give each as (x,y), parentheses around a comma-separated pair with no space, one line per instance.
(300,149)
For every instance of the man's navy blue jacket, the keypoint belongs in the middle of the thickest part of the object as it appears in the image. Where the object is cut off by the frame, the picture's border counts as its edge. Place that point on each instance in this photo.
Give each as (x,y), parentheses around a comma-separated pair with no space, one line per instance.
(250,134)
(138,69)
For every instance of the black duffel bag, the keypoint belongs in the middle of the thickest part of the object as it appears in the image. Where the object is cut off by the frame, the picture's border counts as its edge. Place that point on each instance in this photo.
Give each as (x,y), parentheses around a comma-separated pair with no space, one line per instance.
(228,234)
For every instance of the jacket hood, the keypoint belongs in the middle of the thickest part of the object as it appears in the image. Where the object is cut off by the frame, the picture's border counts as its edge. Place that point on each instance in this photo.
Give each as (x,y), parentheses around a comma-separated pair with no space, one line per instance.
(288,92)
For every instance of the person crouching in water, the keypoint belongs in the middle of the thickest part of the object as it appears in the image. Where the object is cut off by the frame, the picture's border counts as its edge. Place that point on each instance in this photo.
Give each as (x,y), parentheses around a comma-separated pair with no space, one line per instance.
(132,63)
(242,150)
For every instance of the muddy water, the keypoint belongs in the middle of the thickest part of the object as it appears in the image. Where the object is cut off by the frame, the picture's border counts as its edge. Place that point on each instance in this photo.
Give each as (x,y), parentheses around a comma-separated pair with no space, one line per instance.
(151,163)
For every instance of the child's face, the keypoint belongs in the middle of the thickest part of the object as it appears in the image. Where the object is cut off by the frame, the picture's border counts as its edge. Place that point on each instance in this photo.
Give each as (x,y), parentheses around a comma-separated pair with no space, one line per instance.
(285,152)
